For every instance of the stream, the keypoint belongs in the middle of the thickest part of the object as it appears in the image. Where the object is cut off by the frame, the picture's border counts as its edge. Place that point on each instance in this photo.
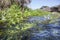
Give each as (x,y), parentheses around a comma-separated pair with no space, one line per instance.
(49,29)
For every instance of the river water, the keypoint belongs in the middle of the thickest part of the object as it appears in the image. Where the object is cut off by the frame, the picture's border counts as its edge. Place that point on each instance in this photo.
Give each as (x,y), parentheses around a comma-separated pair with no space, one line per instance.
(50,29)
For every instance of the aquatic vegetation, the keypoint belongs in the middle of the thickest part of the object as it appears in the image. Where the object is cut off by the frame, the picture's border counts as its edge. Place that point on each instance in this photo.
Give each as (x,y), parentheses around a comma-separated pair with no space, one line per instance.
(14,25)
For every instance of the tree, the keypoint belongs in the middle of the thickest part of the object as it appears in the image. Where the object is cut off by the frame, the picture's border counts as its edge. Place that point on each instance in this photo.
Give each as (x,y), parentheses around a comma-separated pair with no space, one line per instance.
(5,4)
(23,4)
(8,3)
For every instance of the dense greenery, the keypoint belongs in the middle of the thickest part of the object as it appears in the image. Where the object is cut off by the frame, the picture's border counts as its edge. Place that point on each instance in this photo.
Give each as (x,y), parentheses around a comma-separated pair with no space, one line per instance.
(12,22)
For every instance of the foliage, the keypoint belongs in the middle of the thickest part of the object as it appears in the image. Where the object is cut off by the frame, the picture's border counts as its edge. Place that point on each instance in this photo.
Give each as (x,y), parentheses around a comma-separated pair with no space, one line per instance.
(13,22)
